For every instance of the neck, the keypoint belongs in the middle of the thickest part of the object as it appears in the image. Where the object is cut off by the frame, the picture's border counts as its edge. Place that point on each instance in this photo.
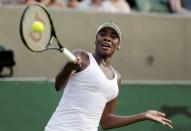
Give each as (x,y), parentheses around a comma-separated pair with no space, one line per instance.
(105,61)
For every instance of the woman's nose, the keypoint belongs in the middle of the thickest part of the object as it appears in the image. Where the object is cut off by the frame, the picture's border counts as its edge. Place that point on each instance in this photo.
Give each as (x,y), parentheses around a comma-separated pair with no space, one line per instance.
(107,38)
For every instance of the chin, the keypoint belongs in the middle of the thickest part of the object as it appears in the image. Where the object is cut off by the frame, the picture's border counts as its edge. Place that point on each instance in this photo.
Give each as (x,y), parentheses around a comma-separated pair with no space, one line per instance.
(105,54)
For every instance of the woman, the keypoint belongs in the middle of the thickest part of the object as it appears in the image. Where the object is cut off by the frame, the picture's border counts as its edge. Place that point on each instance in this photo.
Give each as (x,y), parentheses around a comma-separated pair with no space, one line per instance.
(91,86)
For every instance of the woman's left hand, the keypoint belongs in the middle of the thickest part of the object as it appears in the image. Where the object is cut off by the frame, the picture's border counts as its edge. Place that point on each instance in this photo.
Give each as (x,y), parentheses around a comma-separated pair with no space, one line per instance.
(158,117)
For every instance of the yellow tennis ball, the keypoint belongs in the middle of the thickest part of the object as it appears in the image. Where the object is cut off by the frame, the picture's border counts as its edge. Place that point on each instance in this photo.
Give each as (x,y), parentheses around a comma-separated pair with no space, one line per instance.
(37,26)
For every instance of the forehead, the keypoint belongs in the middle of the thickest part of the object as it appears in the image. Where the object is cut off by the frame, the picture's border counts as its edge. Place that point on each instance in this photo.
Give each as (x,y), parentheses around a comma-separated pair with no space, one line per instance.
(109,30)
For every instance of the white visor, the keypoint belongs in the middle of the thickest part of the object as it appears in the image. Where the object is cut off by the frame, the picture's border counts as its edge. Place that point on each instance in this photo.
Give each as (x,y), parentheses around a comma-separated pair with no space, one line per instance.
(112,25)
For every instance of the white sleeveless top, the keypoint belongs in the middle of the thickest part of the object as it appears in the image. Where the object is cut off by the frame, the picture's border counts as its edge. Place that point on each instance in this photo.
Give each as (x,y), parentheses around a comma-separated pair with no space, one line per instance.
(83,100)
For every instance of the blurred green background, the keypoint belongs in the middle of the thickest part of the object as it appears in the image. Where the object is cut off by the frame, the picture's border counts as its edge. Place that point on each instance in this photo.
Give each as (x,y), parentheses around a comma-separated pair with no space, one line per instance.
(28,105)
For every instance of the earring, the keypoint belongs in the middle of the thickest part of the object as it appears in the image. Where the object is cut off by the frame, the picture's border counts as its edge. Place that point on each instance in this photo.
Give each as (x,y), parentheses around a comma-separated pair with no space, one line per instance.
(118,47)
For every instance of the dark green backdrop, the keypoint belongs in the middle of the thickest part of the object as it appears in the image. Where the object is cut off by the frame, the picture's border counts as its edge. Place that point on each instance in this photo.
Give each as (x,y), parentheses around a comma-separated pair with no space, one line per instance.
(27,106)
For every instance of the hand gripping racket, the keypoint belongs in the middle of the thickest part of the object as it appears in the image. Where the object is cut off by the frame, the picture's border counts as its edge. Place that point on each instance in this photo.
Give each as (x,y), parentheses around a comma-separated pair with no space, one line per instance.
(40,41)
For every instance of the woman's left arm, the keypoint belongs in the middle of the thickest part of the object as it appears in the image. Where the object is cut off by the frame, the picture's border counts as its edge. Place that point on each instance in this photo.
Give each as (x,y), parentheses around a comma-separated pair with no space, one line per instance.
(109,120)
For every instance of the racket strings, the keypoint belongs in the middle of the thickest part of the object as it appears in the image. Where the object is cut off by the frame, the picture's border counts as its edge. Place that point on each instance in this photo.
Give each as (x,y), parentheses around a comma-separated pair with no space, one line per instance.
(36,41)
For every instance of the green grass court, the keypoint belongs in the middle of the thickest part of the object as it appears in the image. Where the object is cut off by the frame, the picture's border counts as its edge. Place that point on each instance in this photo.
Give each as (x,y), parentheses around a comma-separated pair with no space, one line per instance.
(27,105)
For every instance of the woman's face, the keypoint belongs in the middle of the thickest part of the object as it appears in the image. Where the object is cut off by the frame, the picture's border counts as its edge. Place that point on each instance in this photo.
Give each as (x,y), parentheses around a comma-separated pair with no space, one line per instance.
(107,41)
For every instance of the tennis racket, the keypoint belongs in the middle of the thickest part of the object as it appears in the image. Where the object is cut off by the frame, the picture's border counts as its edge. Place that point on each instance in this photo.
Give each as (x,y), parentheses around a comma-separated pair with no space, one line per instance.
(40,41)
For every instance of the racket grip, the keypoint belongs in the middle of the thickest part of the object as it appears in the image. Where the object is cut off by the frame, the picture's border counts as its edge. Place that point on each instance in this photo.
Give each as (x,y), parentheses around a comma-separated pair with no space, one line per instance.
(69,55)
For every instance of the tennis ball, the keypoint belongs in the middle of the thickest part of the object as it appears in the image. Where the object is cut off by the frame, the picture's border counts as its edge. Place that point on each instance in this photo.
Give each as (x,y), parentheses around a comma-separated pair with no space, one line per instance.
(37,26)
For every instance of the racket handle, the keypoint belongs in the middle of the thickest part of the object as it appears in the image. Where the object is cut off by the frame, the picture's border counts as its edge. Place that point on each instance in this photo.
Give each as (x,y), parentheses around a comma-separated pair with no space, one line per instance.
(68,54)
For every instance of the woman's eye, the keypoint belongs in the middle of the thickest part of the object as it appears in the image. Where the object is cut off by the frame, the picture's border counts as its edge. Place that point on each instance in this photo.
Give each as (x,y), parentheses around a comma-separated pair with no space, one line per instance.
(114,36)
(102,34)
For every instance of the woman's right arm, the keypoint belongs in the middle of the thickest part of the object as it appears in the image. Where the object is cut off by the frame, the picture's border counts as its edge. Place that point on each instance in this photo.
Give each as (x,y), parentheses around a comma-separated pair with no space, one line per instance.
(67,70)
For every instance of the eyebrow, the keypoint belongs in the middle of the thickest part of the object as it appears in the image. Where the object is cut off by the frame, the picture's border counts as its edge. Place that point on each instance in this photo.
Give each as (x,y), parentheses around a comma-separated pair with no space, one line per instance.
(113,31)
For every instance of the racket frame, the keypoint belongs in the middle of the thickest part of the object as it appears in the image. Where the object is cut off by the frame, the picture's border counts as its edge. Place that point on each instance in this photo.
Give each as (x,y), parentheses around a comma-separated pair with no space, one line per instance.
(60,48)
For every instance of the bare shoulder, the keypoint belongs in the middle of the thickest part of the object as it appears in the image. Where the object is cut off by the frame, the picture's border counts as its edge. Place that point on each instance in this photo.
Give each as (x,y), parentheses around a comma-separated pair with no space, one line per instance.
(119,77)
(117,73)
(79,52)
(84,58)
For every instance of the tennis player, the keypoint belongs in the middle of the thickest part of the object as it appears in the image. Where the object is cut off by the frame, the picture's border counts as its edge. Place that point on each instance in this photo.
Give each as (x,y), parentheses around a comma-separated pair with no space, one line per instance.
(91,86)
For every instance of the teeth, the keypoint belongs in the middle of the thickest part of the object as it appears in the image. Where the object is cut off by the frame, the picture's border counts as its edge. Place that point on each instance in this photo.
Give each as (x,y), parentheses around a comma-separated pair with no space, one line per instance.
(106,45)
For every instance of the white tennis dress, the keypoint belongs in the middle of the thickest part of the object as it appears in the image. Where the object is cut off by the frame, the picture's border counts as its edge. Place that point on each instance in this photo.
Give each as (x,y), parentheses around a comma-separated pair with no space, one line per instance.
(83,100)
